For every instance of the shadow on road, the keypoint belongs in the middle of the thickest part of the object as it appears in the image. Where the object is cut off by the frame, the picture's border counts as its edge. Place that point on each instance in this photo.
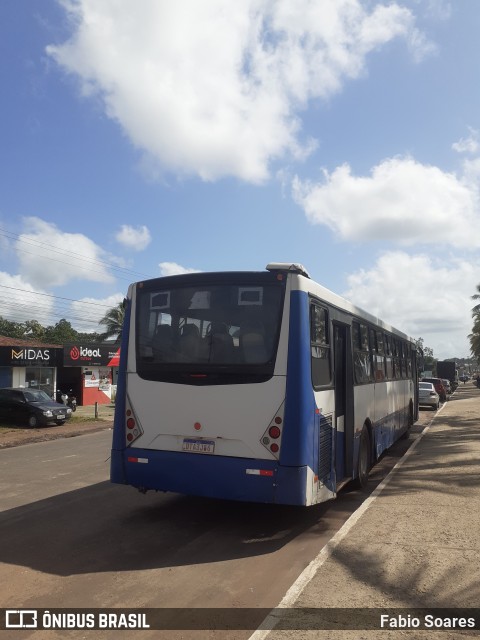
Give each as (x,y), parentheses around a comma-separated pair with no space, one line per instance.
(105,528)
(112,528)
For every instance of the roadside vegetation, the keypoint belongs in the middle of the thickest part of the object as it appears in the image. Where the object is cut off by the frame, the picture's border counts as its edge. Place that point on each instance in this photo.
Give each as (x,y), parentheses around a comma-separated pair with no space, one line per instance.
(63,331)
(474,337)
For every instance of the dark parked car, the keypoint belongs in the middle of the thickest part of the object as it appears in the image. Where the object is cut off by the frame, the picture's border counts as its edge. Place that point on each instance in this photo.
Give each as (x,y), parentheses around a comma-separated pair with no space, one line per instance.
(439,388)
(32,407)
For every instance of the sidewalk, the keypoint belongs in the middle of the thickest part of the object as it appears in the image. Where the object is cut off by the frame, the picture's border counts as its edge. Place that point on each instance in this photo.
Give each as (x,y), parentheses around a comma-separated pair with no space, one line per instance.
(414,543)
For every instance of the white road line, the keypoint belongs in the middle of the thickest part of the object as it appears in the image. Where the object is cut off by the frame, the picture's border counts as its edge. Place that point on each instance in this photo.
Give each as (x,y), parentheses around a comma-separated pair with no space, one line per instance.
(306,576)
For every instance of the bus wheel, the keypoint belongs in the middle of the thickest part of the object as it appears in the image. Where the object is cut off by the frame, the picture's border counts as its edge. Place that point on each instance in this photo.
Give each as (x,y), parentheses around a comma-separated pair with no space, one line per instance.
(364,459)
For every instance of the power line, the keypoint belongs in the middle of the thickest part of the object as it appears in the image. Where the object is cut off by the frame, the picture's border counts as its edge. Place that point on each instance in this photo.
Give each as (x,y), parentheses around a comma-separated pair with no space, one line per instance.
(25,309)
(49,295)
(54,248)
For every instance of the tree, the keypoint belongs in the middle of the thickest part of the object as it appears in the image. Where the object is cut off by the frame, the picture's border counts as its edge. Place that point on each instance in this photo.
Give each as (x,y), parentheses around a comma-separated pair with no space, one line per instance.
(113,320)
(11,329)
(60,333)
(34,330)
(427,359)
(476,296)
(89,337)
(474,337)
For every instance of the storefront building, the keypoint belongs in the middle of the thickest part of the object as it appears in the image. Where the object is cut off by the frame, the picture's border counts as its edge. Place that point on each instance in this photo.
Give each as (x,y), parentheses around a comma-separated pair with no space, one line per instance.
(25,363)
(93,368)
(87,371)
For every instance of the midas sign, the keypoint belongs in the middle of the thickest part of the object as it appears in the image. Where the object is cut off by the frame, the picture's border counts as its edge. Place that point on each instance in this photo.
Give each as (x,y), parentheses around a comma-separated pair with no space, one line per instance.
(31,354)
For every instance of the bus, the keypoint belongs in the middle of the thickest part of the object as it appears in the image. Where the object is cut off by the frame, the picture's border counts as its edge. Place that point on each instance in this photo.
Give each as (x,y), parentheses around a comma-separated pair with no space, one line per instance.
(256,386)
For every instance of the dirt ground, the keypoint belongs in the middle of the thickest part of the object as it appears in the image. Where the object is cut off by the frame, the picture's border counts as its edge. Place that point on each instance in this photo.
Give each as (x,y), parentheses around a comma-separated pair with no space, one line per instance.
(14,436)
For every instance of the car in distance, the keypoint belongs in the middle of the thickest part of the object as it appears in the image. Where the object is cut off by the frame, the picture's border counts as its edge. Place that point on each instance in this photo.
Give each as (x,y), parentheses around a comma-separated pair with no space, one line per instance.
(427,395)
(32,407)
(439,388)
(447,385)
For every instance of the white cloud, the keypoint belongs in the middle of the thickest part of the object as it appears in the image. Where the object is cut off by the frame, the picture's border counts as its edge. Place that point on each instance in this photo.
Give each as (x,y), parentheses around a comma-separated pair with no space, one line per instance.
(87,312)
(215,88)
(4,246)
(436,9)
(423,298)
(401,200)
(468,145)
(49,257)
(174,269)
(137,238)
(19,300)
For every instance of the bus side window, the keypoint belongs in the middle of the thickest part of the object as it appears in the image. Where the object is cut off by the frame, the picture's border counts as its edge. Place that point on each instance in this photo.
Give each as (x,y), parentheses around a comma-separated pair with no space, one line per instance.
(379,358)
(397,359)
(361,355)
(319,346)
(388,357)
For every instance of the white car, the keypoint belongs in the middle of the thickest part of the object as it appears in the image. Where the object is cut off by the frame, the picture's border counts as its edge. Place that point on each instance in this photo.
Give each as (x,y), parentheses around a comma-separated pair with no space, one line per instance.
(447,385)
(427,396)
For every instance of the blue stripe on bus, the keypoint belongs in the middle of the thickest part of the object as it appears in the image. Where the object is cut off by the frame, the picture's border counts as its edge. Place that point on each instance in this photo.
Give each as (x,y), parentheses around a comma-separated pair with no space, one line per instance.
(388,430)
(210,476)
(299,419)
(301,440)
(118,440)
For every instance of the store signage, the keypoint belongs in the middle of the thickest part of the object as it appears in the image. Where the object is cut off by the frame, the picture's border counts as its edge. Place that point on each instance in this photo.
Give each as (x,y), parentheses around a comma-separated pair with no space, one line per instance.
(31,354)
(17,356)
(91,355)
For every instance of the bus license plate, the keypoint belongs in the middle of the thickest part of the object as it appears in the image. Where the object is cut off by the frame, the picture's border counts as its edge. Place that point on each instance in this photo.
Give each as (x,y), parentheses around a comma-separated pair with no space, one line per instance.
(198,446)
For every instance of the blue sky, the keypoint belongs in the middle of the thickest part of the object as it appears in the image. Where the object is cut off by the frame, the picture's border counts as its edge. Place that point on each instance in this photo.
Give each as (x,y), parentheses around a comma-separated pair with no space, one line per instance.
(342,134)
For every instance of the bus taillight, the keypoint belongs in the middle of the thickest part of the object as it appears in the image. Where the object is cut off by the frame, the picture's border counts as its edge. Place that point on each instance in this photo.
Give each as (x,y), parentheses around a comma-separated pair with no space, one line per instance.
(274,432)
(133,427)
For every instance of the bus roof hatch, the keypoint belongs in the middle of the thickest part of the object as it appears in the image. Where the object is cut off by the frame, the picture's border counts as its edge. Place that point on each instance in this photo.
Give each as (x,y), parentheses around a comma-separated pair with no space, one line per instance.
(293,267)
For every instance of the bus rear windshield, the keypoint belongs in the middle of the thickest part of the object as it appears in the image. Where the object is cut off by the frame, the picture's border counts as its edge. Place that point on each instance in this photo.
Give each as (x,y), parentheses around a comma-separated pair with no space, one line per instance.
(196,332)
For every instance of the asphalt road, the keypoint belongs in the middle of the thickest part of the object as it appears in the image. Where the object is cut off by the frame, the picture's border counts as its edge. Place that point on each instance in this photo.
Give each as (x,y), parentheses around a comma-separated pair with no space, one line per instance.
(71,539)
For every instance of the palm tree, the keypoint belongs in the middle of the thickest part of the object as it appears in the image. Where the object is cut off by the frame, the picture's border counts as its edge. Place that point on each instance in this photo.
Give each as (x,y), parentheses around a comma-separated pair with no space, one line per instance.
(476,296)
(113,320)
(474,337)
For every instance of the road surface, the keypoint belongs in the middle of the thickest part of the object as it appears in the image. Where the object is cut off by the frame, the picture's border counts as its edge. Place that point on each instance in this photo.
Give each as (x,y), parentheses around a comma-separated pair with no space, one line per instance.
(70,539)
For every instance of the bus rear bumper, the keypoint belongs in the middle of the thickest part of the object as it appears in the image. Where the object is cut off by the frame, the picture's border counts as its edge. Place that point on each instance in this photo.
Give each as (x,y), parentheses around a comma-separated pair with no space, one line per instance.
(210,476)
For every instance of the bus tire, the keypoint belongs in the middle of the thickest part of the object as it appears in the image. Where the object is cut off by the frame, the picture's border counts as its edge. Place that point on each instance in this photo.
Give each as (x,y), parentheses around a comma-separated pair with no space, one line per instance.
(364,459)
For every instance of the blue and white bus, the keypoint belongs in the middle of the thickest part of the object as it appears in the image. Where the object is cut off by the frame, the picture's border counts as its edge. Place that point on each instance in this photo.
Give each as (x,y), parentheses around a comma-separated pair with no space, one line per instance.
(256,386)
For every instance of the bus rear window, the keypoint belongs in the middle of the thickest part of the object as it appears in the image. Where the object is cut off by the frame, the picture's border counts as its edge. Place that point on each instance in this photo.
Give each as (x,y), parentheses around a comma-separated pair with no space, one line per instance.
(207,327)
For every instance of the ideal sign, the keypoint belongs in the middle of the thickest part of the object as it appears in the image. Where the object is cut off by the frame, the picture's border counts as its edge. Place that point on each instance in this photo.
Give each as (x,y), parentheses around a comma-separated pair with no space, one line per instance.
(84,353)
(76,355)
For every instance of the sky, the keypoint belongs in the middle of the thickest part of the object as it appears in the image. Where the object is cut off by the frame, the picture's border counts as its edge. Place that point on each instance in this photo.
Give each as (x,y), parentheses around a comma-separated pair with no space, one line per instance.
(214,136)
